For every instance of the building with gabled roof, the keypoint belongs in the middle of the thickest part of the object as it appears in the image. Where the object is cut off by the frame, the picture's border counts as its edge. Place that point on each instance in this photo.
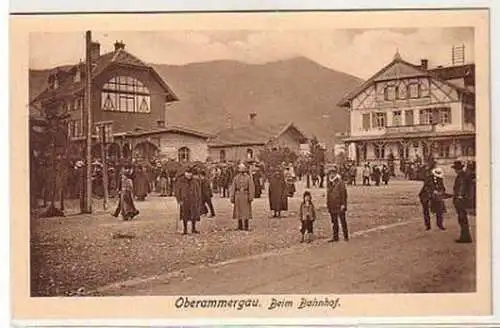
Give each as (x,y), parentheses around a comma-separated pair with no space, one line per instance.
(411,110)
(126,92)
(244,142)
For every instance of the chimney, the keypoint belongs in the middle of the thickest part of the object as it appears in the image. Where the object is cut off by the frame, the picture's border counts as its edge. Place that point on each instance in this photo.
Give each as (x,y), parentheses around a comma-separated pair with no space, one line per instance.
(424,63)
(161,123)
(119,45)
(252,117)
(95,51)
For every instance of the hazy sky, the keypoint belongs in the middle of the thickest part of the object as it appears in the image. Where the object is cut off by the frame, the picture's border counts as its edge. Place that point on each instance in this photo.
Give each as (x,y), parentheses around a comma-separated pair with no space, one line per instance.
(360,52)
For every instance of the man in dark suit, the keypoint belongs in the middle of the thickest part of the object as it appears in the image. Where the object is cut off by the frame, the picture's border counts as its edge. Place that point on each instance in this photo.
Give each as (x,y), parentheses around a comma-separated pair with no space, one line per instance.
(460,196)
(336,198)
(431,197)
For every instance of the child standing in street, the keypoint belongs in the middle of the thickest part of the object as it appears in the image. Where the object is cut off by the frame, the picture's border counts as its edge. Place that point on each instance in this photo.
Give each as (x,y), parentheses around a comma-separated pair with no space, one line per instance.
(307,215)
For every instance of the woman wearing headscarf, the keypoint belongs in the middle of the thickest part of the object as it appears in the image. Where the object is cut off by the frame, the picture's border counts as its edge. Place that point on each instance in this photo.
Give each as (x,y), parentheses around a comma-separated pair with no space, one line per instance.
(242,195)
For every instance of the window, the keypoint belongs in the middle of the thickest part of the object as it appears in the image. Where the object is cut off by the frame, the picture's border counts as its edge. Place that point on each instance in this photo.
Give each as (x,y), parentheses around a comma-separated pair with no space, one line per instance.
(379,120)
(75,128)
(445,116)
(125,94)
(409,117)
(379,151)
(249,153)
(426,116)
(222,155)
(366,121)
(443,150)
(389,93)
(396,118)
(183,154)
(402,92)
(414,90)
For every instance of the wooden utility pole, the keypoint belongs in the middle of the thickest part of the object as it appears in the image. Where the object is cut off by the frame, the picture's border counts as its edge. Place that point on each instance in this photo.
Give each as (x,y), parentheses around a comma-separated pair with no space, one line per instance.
(88,123)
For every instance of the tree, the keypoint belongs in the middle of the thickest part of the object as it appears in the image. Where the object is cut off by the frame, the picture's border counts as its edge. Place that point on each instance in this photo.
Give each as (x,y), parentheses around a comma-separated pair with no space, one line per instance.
(317,152)
(48,159)
(274,156)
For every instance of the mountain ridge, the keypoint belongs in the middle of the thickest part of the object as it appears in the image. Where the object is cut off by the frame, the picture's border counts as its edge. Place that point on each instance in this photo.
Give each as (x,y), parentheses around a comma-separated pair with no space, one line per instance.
(218,94)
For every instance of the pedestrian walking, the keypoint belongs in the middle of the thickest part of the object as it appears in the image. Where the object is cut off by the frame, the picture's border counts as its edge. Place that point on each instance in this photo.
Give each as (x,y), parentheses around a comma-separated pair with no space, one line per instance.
(206,195)
(163,183)
(366,175)
(432,197)
(242,195)
(460,196)
(126,204)
(336,196)
(188,195)
(376,175)
(307,215)
(386,174)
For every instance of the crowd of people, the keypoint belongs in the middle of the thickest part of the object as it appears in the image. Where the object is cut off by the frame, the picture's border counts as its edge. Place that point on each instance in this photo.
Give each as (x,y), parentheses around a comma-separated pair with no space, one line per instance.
(195,184)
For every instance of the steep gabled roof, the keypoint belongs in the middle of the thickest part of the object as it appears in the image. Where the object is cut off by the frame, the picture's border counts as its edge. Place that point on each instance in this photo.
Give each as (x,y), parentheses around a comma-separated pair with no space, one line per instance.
(118,57)
(252,134)
(398,69)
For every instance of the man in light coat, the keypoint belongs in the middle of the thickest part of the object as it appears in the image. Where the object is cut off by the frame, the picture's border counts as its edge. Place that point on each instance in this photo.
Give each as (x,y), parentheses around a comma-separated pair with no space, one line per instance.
(242,195)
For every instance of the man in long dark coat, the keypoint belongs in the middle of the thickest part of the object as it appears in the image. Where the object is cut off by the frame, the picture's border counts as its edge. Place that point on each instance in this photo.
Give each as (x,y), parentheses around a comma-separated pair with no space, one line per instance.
(336,201)
(460,199)
(257,176)
(188,195)
(141,183)
(278,198)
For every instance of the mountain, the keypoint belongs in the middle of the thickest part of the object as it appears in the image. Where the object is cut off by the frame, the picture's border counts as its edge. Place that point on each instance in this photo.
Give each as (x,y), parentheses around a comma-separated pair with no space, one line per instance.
(214,94)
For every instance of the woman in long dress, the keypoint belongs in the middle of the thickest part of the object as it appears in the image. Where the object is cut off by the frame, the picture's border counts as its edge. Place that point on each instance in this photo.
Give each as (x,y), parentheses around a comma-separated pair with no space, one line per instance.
(127,210)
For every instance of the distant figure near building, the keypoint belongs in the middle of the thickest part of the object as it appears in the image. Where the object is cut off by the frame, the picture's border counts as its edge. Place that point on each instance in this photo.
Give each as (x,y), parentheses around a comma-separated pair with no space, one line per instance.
(366,175)
(336,201)
(188,194)
(141,183)
(242,195)
(206,195)
(460,197)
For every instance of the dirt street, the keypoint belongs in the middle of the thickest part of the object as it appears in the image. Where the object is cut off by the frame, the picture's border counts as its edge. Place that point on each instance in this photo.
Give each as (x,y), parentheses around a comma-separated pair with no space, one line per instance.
(389,250)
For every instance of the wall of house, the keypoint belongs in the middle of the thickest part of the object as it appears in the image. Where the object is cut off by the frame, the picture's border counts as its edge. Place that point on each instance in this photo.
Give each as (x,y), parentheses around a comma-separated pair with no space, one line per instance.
(198,147)
(124,121)
(234,153)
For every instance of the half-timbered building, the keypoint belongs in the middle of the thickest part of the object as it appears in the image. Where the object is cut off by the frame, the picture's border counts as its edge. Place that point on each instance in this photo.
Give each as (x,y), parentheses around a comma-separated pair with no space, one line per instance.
(410,110)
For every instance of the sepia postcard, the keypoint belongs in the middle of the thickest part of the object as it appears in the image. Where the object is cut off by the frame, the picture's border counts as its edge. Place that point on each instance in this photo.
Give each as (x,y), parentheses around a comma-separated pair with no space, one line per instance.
(235,165)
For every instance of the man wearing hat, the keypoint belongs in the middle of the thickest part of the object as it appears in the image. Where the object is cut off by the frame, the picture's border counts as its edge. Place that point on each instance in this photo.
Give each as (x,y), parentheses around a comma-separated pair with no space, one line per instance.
(188,195)
(242,195)
(336,201)
(460,196)
(431,197)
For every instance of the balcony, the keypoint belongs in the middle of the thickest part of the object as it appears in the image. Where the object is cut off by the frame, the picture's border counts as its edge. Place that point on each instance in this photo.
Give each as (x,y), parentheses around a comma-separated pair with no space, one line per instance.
(409,129)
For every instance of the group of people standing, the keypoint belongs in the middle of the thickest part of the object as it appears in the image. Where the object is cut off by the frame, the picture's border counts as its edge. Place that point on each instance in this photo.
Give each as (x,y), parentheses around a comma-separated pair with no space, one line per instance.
(376,173)
(433,194)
